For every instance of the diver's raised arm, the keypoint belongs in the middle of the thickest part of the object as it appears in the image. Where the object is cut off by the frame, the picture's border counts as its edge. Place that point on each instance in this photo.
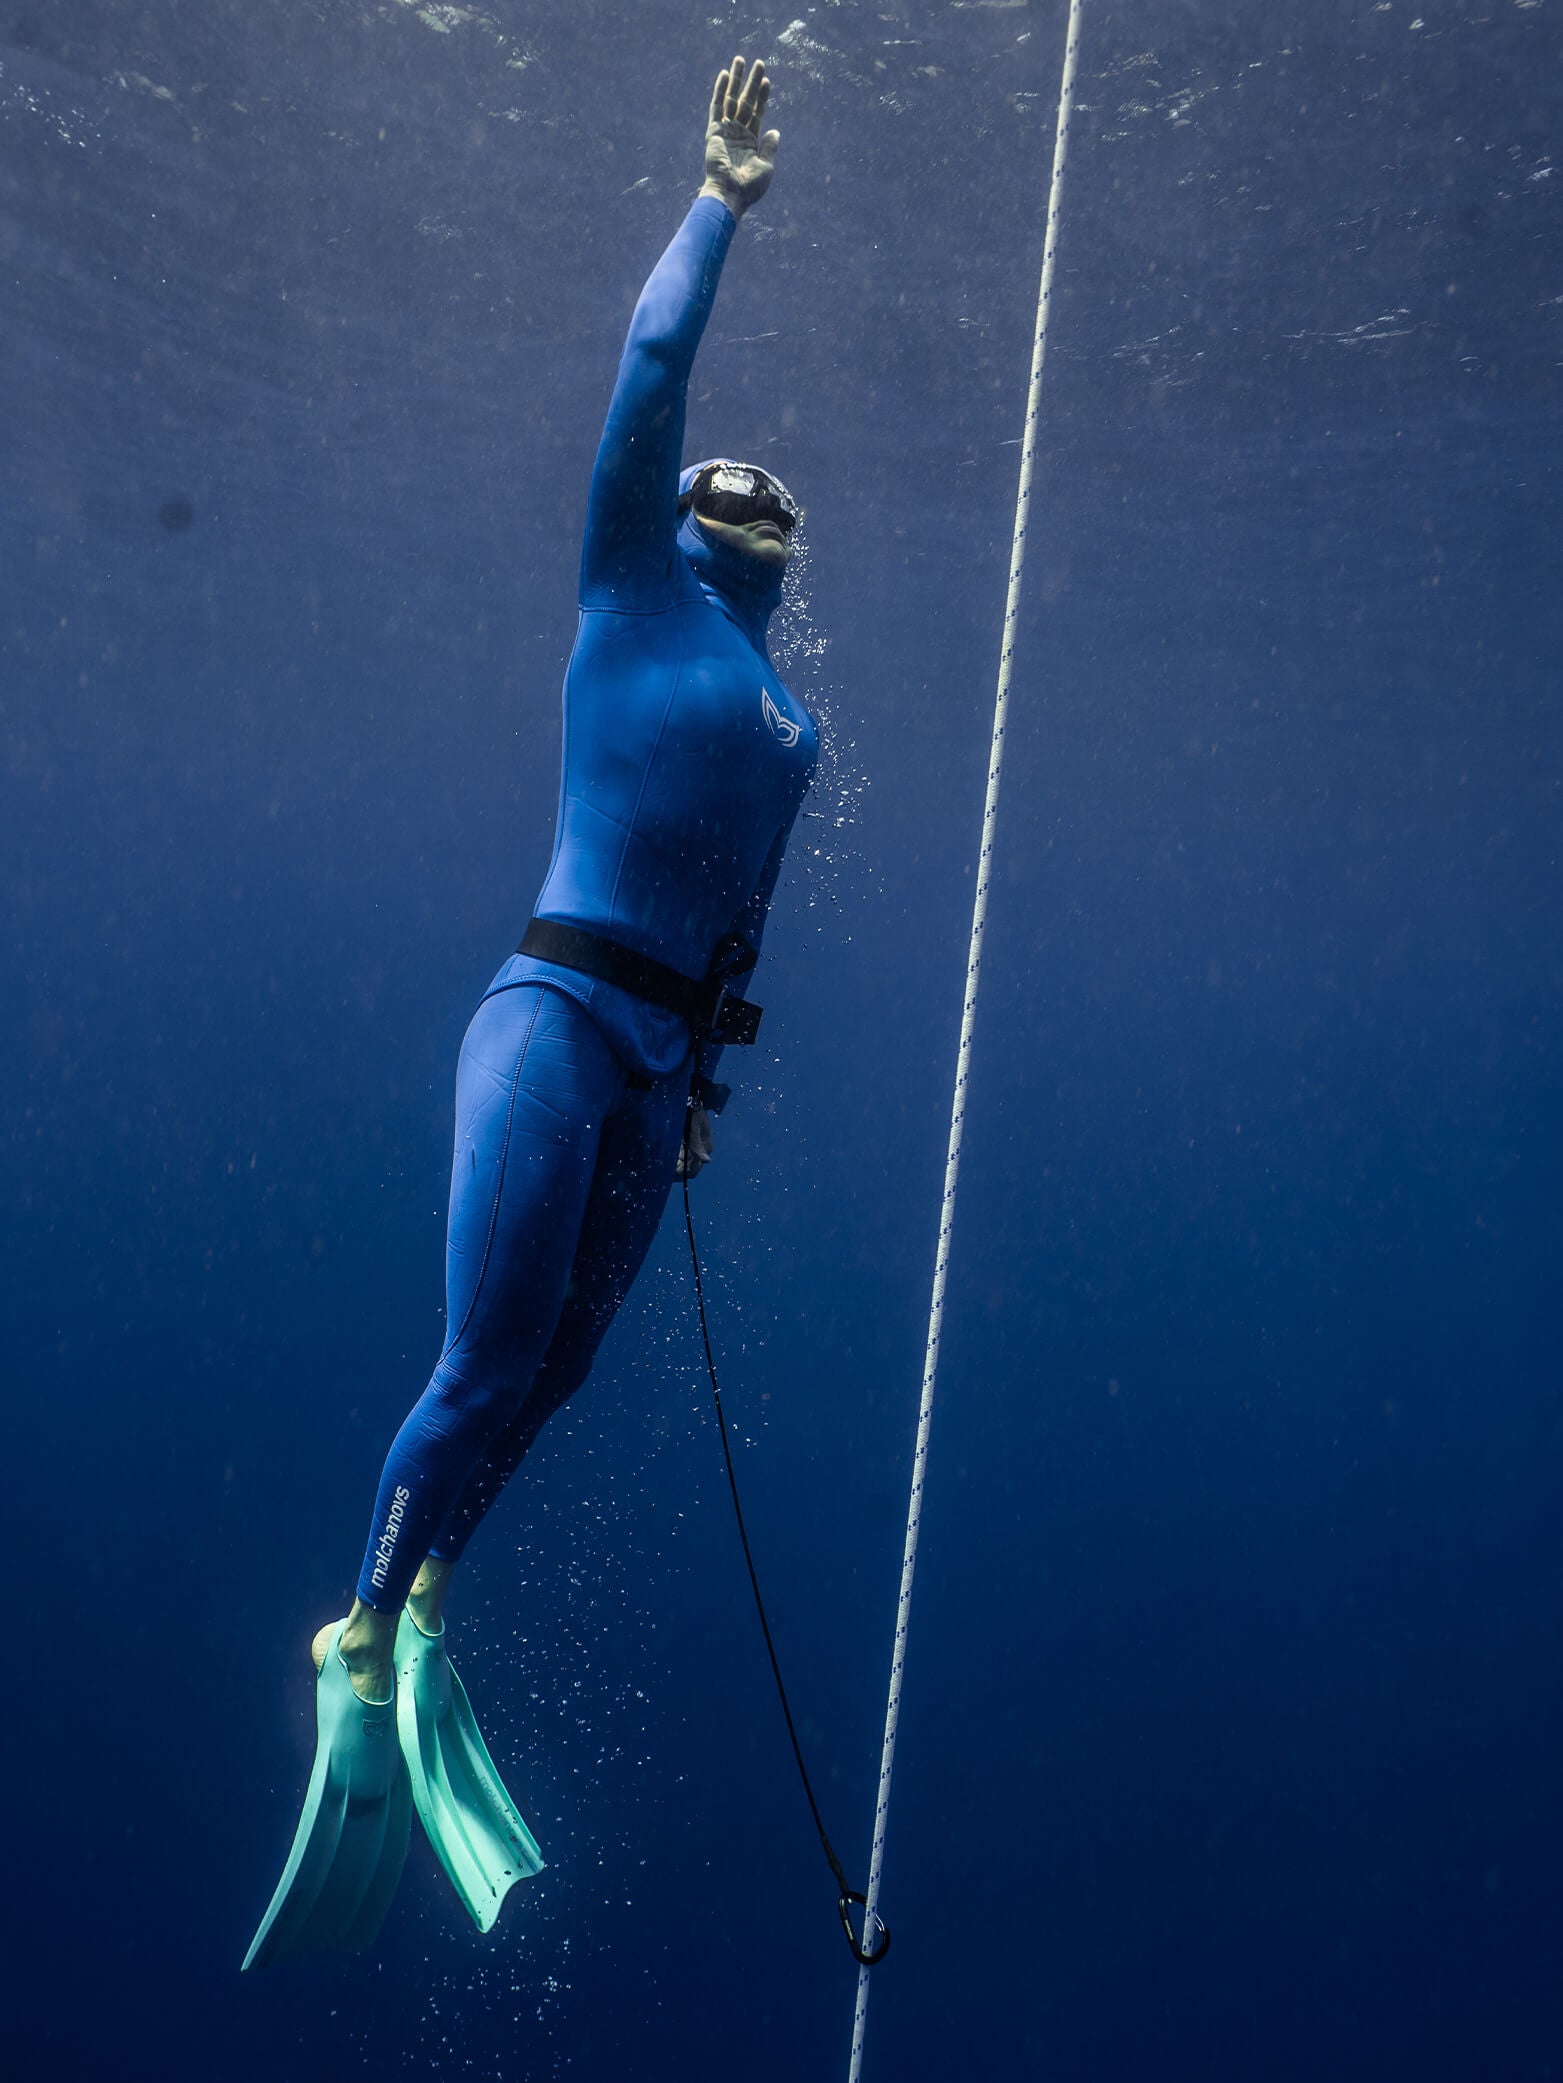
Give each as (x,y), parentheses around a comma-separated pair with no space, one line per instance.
(632,513)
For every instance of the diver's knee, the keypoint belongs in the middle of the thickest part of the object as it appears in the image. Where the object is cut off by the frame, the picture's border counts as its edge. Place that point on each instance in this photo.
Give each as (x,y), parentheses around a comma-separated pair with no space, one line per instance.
(556,1383)
(481,1399)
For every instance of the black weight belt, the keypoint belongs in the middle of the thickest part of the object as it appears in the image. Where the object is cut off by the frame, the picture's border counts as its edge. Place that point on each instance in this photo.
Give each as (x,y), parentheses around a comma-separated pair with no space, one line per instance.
(709,1007)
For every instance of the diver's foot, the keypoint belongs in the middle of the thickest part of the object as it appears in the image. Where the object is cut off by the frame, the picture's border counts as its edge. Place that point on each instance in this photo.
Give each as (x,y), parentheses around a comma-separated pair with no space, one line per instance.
(367,1651)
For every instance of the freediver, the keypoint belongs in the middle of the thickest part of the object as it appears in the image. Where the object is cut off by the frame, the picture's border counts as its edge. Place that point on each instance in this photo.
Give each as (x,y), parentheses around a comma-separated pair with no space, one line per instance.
(586,1081)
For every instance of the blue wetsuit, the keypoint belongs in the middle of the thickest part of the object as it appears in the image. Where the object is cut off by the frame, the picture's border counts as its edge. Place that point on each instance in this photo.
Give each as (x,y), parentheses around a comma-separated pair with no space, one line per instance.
(685,760)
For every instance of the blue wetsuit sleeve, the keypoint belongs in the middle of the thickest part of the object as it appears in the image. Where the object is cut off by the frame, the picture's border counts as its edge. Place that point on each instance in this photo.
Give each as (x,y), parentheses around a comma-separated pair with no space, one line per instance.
(749,926)
(627,557)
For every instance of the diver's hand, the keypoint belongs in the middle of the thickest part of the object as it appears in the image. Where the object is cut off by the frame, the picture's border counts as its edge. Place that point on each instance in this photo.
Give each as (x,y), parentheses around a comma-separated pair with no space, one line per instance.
(740,157)
(698,1144)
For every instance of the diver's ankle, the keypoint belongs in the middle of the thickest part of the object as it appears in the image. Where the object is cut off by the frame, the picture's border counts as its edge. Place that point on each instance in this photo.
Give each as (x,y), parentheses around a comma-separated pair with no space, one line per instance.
(367,1646)
(426,1600)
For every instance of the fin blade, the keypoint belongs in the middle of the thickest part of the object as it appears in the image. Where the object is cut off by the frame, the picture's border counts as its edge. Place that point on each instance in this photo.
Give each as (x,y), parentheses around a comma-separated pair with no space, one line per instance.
(347,1853)
(477,1832)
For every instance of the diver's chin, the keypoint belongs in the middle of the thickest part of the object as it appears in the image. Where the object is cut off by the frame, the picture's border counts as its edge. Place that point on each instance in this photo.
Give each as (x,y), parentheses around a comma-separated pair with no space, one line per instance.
(773,550)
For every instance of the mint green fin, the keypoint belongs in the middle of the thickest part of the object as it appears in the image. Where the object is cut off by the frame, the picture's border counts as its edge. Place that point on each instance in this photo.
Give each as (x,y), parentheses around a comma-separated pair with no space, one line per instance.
(472,1823)
(352,1837)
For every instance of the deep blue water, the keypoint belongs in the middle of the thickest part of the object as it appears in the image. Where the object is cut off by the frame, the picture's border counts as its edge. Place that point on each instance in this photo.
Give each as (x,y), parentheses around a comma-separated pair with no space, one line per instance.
(1233,1708)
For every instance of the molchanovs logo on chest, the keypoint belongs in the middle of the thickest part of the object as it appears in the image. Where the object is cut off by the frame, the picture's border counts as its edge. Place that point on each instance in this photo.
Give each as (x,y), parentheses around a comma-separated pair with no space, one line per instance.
(780,726)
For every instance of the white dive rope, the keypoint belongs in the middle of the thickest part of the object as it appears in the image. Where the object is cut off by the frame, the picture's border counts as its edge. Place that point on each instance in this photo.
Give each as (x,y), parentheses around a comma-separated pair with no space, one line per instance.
(952,1162)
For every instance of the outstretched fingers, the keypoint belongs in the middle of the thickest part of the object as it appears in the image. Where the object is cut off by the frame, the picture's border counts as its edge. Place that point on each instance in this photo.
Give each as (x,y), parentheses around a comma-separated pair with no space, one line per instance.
(751,102)
(738,102)
(732,90)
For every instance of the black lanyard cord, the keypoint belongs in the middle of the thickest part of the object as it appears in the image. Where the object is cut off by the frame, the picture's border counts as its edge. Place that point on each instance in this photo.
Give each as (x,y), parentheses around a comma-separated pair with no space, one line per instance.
(846,1898)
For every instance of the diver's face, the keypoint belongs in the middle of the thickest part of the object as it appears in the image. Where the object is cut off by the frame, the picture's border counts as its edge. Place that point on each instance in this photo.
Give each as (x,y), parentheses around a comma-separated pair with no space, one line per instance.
(762,540)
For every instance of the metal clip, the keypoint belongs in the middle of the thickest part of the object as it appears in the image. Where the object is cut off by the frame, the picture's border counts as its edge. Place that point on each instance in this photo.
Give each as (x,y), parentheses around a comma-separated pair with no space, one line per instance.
(864,1954)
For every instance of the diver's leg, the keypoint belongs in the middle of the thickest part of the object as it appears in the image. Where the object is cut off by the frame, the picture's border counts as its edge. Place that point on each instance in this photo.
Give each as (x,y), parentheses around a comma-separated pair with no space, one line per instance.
(635,1168)
(535,1085)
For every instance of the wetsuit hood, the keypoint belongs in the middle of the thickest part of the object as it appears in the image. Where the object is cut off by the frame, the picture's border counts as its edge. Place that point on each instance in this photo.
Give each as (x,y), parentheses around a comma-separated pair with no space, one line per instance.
(747,589)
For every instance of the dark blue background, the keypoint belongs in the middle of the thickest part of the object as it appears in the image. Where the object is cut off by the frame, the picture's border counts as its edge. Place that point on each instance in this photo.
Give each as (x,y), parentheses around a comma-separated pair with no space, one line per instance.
(1233,1713)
